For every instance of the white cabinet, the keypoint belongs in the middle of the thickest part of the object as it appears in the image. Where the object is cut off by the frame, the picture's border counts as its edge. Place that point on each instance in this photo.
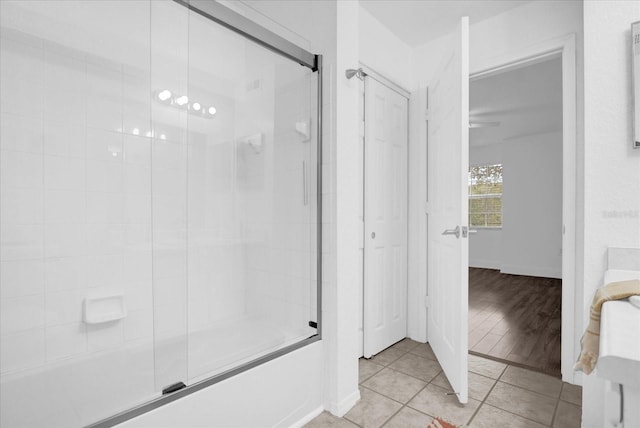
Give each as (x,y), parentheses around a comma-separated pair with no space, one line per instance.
(619,359)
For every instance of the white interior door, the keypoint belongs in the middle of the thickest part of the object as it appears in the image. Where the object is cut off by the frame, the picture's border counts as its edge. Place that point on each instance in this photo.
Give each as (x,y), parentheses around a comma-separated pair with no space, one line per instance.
(385,217)
(447,211)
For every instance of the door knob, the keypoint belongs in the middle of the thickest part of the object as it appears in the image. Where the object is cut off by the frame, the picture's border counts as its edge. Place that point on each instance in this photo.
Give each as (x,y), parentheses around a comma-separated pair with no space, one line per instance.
(455,231)
(373,235)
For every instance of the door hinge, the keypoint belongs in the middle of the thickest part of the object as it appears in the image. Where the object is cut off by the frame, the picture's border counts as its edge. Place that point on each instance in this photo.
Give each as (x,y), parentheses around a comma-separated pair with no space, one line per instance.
(427,302)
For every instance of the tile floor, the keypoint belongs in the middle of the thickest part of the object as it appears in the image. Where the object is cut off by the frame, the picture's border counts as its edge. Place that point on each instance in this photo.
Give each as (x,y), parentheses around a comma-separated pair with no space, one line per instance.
(404,387)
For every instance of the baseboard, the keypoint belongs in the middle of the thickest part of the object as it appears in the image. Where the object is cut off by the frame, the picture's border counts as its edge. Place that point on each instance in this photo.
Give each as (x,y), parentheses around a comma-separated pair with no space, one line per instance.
(531,271)
(485,264)
(307,418)
(340,409)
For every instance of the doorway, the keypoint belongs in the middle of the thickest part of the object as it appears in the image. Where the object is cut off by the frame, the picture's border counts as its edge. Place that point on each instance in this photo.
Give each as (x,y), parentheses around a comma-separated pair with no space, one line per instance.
(516,210)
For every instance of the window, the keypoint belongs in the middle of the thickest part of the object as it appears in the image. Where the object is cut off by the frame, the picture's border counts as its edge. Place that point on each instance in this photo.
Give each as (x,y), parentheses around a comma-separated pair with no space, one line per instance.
(485,196)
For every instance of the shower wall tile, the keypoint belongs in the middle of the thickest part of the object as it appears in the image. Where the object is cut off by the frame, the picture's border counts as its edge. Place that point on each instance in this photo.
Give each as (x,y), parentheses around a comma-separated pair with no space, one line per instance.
(106,336)
(139,295)
(65,340)
(65,273)
(137,150)
(63,173)
(104,176)
(21,170)
(137,237)
(64,206)
(138,265)
(104,208)
(23,350)
(169,155)
(21,58)
(64,307)
(136,98)
(64,140)
(64,240)
(19,242)
(21,278)
(64,98)
(138,324)
(21,96)
(21,206)
(137,180)
(105,239)
(105,146)
(104,99)
(104,270)
(21,133)
(21,313)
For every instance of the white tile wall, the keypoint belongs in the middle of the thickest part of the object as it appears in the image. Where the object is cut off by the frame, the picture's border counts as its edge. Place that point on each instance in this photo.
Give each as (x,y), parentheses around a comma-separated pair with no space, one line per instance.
(22,350)
(67,218)
(21,278)
(65,340)
(85,181)
(21,206)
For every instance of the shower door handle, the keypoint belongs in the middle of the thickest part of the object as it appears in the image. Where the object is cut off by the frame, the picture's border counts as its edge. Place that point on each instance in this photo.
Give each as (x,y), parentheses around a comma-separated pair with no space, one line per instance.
(305,190)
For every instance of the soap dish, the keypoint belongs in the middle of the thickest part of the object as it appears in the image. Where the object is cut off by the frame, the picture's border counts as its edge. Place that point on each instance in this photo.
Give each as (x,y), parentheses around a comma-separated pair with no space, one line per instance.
(103,309)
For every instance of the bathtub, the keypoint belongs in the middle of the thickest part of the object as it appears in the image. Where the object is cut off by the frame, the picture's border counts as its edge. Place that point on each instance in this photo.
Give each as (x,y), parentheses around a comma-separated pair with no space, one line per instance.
(80,391)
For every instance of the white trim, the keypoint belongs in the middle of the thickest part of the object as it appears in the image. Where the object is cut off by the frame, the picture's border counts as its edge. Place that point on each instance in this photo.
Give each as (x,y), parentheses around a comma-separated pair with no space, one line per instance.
(565,46)
(385,81)
(308,418)
(485,264)
(340,409)
(542,272)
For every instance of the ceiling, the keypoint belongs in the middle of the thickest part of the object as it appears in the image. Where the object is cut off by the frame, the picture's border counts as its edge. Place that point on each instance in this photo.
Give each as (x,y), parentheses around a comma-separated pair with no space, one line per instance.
(418,21)
(525,101)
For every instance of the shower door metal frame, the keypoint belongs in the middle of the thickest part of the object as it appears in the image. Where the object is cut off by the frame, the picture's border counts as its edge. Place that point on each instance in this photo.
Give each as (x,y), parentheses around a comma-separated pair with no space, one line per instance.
(237,23)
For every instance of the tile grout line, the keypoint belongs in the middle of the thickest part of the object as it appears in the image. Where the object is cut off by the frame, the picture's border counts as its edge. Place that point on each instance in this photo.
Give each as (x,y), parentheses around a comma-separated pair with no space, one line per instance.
(482,402)
(555,410)
(515,414)
(403,405)
(486,396)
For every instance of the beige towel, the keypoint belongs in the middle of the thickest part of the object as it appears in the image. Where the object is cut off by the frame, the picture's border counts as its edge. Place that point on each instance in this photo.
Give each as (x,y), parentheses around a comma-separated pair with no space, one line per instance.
(591,338)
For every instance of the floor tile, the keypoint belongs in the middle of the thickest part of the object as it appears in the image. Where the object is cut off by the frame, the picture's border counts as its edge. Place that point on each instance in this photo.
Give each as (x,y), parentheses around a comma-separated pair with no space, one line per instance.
(409,418)
(406,345)
(387,356)
(372,410)
(571,393)
(433,401)
(492,417)
(522,402)
(395,385)
(479,386)
(424,350)
(485,367)
(327,420)
(533,381)
(568,416)
(366,369)
(416,366)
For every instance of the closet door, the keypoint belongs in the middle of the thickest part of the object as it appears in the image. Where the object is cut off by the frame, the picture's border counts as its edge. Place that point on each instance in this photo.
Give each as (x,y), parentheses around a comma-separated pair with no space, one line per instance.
(385,215)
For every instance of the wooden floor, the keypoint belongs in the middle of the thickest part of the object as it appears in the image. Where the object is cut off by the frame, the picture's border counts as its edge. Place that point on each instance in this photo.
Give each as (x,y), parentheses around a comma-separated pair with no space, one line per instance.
(515,318)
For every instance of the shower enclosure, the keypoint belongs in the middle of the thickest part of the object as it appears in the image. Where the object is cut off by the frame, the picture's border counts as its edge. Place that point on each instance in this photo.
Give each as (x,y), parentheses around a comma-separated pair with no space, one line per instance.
(160,212)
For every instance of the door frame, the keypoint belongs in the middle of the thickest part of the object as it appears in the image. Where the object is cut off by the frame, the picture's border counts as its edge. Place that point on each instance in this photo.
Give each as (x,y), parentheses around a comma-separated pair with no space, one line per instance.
(362,94)
(564,47)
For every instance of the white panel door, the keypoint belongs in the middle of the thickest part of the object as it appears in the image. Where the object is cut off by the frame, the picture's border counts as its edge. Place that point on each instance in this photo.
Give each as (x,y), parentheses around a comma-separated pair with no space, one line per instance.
(385,217)
(447,211)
